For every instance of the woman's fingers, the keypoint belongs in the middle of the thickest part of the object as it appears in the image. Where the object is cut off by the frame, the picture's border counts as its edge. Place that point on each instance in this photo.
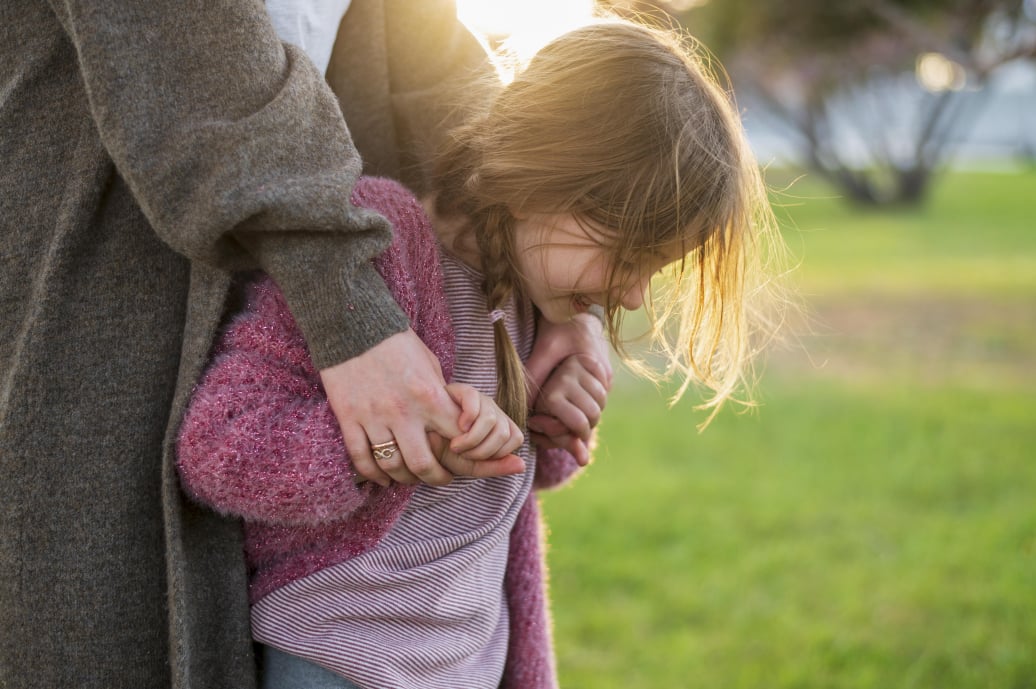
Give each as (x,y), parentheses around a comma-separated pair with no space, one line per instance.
(392,392)
(487,468)
(419,464)
(362,457)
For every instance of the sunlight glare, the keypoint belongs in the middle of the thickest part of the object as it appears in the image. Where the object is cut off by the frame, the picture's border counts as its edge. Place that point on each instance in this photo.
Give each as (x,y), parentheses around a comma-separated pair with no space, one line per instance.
(526,24)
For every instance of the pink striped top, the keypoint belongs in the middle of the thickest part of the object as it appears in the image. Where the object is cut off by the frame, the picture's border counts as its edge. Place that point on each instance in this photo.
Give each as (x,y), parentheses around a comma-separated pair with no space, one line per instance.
(425,607)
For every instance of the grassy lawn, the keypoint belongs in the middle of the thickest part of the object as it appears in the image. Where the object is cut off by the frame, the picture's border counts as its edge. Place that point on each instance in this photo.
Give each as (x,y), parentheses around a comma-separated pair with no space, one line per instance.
(975,236)
(873,523)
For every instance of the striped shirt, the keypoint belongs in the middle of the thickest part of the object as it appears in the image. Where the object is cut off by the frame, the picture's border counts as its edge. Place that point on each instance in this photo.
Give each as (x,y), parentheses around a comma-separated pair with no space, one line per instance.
(425,607)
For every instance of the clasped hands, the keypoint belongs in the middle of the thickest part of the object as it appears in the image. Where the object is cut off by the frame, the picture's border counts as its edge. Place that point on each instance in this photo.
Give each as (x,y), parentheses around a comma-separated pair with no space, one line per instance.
(396,392)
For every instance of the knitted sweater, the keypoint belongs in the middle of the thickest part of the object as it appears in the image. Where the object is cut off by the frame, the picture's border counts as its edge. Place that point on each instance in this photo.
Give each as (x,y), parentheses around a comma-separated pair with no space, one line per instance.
(259,441)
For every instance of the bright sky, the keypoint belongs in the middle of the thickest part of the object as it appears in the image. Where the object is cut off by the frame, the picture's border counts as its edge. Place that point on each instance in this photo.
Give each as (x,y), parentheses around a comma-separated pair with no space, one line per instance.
(529,23)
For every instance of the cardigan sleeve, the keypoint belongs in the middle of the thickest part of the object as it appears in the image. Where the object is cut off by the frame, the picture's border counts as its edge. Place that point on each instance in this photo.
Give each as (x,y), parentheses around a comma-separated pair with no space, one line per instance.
(236,151)
(554,468)
(259,439)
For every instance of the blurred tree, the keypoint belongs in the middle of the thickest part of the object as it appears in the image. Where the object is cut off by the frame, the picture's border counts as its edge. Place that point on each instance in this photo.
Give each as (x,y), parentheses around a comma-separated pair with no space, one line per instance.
(874,91)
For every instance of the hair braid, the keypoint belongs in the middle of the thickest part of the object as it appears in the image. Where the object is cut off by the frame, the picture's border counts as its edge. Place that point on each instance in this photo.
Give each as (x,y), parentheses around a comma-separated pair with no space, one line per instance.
(494,232)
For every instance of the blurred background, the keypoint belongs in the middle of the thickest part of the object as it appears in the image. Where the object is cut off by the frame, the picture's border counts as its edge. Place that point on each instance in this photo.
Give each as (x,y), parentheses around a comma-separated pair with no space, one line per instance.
(872,523)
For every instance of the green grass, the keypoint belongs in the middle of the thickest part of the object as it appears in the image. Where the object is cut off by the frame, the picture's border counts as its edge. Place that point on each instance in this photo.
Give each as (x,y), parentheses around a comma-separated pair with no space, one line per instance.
(976,233)
(858,530)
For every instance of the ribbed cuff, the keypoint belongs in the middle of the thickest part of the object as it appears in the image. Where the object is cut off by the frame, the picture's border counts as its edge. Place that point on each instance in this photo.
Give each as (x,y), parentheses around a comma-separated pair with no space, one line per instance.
(338,299)
(343,316)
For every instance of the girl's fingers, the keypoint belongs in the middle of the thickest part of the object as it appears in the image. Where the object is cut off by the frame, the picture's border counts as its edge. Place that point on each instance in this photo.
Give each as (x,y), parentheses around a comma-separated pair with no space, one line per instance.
(593,386)
(578,448)
(470,401)
(577,410)
(503,439)
(490,433)
(597,371)
(578,399)
(547,425)
(482,426)
(491,438)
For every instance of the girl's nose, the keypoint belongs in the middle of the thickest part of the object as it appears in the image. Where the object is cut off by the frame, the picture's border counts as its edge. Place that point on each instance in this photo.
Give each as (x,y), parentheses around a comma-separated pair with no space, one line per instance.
(633,298)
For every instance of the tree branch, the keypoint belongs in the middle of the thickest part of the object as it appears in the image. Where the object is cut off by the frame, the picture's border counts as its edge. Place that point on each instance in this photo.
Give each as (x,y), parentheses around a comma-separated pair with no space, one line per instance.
(917,31)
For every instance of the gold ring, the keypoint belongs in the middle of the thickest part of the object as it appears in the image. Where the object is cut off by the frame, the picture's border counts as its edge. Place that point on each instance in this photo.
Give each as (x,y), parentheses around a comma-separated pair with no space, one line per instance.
(383,451)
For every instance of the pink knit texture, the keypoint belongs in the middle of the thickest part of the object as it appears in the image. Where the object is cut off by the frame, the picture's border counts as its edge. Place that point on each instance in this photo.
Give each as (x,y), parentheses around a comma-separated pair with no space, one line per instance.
(260,442)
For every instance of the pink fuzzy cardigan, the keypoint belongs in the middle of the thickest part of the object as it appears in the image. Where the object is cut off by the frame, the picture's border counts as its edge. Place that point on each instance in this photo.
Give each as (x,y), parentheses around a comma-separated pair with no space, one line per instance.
(260,442)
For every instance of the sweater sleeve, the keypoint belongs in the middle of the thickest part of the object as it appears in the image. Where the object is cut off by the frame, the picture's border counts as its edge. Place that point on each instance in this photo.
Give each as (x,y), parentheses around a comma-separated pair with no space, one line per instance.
(237,153)
(259,440)
(554,467)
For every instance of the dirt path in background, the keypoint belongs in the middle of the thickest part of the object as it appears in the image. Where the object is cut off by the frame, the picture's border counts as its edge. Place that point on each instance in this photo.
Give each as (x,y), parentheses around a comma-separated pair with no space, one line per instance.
(934,339)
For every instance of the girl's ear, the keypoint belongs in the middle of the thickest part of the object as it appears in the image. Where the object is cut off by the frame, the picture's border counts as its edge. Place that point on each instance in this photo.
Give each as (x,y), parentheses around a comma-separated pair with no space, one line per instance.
(517,215)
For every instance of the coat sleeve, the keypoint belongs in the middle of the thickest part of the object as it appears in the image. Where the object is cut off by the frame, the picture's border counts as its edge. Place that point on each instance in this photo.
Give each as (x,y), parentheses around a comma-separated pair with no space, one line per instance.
(236,151)
(259,440)
(440,75)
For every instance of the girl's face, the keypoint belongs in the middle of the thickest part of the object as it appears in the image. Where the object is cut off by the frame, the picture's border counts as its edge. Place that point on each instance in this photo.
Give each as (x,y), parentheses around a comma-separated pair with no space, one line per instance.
(565,267)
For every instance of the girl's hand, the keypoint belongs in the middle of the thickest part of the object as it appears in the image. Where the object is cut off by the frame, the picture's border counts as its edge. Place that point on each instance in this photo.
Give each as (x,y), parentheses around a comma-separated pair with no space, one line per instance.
(486,431)
(562,416)
(569,406)
(555,342)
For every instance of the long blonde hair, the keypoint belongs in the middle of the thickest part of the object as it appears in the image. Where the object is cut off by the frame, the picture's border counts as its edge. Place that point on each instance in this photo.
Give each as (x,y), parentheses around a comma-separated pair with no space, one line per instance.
(625,126)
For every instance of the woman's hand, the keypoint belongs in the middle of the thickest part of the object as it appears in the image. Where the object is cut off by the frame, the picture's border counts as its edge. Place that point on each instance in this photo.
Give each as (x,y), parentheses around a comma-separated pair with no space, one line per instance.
(387,401)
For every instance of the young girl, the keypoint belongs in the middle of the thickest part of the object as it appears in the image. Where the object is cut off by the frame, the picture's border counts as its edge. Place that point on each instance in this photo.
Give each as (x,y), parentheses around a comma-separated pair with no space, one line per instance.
(611,157)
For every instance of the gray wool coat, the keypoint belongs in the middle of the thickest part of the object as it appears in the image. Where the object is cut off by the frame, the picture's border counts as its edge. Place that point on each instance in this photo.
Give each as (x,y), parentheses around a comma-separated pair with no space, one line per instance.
(147,150)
